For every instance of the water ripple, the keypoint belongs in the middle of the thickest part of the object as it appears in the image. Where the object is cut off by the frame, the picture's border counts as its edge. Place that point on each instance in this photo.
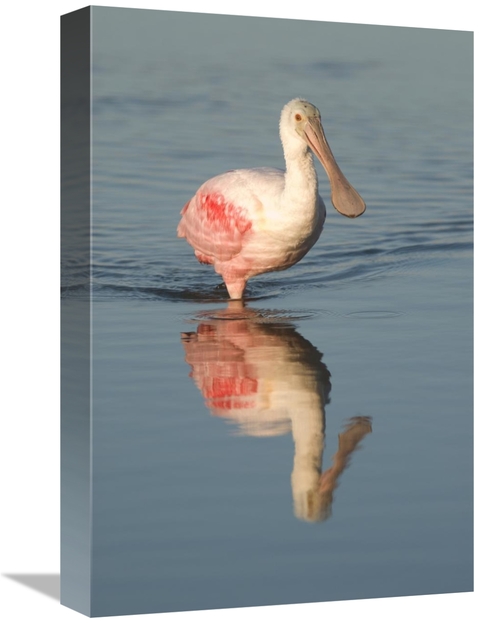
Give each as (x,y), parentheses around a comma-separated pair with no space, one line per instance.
(140,279)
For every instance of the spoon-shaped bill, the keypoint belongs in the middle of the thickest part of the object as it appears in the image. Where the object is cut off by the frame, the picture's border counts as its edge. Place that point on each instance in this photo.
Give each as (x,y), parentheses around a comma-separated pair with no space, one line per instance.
(345,199)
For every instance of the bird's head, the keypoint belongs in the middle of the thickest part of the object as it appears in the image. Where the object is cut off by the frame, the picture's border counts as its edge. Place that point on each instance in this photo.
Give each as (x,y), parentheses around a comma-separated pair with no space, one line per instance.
(295,119)
(300,126)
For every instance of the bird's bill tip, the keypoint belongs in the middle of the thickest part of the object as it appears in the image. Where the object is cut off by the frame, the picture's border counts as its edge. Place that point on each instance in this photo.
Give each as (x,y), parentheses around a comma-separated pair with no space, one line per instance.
(347,201)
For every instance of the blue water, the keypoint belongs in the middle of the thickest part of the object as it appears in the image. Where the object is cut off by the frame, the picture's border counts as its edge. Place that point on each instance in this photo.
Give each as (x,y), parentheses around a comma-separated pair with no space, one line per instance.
(213,423)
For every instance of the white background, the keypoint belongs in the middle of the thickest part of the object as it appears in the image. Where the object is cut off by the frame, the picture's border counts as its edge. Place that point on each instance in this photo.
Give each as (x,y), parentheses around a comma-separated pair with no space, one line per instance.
(29,228)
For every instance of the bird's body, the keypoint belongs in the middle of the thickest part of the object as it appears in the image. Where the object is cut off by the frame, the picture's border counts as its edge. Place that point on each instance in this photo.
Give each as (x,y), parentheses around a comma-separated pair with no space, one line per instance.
(251,221)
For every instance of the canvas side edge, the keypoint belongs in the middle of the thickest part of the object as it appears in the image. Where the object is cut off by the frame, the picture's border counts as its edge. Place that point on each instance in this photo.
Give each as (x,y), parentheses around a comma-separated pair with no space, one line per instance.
(76,485)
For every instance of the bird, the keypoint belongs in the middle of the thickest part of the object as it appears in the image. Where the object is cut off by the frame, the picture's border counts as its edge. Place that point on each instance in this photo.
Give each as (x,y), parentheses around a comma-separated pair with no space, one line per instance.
(246,222)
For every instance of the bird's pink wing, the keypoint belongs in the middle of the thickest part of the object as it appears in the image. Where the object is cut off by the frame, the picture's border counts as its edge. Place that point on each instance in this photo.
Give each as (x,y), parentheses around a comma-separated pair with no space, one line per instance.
(214,225)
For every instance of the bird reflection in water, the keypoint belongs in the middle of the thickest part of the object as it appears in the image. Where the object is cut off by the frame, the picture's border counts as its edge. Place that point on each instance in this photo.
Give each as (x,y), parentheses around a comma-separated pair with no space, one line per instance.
(258,372)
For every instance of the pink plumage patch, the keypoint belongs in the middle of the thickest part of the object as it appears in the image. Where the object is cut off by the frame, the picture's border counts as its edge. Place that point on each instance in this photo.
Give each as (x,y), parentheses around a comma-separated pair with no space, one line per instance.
(224,387)
(231,393)
(213,226)
(222,214)
(203,259)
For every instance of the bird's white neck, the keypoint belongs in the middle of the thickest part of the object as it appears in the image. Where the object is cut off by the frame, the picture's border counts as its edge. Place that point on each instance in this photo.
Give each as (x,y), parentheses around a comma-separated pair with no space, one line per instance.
(301,180)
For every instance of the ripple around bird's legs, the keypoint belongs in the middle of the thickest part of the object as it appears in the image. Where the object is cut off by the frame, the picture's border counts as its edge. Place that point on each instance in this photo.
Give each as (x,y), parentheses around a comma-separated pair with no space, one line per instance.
(238,310)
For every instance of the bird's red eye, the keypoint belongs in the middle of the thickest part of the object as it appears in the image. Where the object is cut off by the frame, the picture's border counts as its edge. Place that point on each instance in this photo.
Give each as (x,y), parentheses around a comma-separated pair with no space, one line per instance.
(298,117)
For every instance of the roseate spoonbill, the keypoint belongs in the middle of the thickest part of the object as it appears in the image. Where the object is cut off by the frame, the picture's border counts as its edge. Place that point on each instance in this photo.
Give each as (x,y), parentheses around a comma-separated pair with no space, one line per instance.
(251,221)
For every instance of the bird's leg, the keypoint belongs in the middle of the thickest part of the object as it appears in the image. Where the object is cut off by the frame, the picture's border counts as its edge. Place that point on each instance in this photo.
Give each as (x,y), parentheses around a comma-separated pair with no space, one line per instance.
(235,287)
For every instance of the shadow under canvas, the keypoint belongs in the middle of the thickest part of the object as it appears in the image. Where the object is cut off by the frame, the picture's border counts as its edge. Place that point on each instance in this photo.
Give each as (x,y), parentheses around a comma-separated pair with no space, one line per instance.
(46,583)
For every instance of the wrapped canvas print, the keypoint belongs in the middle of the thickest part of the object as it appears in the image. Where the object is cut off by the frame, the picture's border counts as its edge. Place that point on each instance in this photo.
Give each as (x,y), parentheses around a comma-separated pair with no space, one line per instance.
(232,436)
